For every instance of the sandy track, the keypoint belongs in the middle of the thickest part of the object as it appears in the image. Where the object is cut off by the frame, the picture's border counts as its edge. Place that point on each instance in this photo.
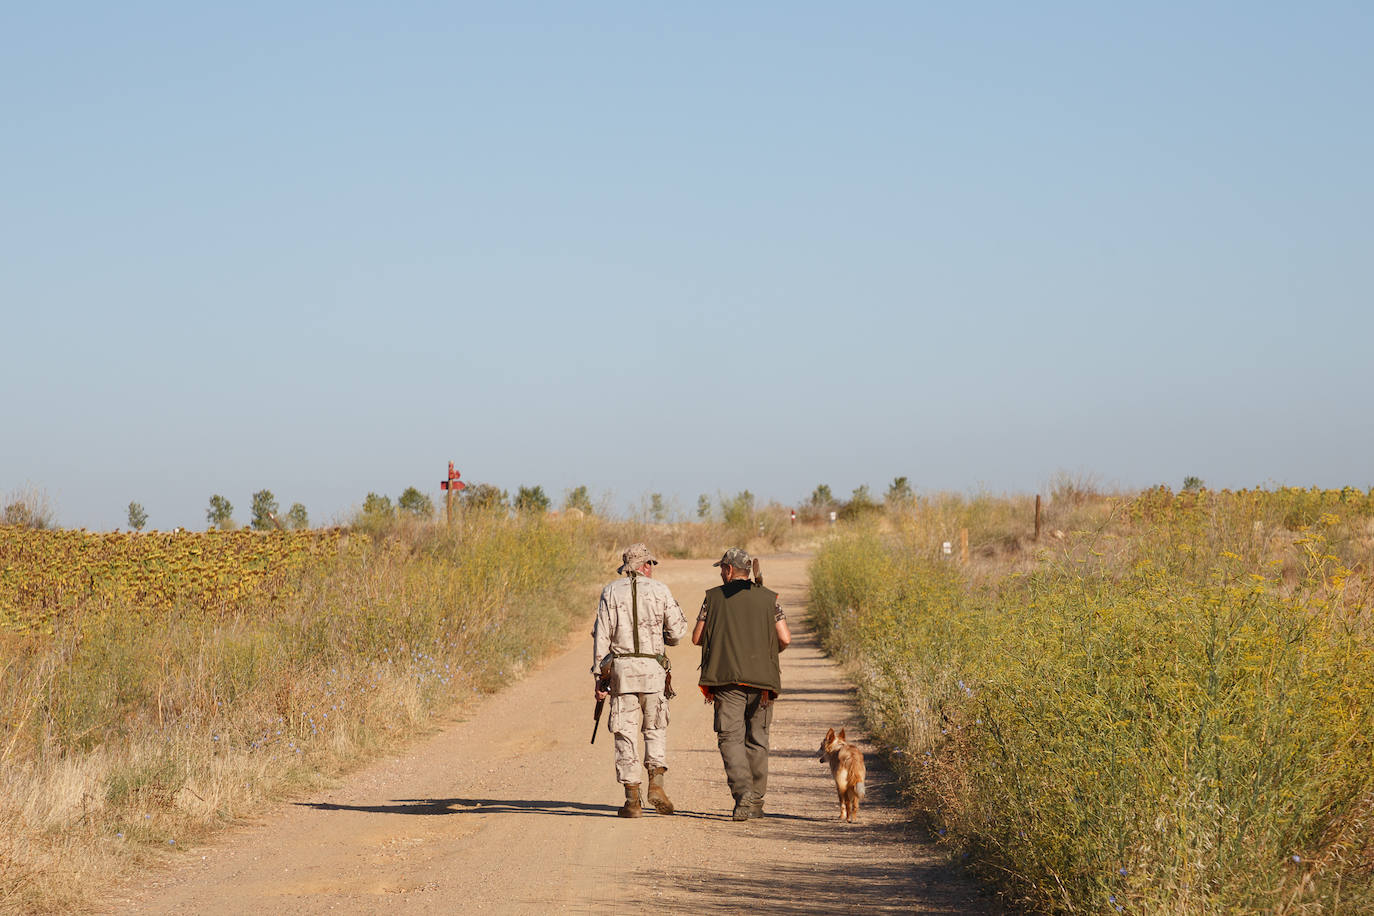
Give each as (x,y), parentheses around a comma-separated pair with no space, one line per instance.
(512,811)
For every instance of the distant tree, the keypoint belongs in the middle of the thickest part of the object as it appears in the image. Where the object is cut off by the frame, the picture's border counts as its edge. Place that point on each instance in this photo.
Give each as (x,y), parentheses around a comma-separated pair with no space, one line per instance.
(137,517)
(821,496)
(1192,484)
(414,503)
(264,508)
(220,514)
(860,502)
(375,506)
(578,499)
(484,497)
(29,508)
(531,499)
(703,507)
(297,518)
(899,493)
(657,510)
(739,510)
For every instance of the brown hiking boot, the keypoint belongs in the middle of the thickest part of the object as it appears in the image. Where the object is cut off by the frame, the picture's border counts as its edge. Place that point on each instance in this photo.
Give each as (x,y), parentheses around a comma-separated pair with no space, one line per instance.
(747,807)
(633,807)
(657,797)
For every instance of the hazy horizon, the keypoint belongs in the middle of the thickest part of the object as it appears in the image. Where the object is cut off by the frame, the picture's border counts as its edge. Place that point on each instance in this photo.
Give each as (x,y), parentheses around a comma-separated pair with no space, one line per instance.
(326,249)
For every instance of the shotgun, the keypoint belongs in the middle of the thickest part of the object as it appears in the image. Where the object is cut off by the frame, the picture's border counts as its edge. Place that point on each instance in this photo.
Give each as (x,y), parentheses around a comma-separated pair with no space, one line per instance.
(596,716)
(603,684)
(758,576)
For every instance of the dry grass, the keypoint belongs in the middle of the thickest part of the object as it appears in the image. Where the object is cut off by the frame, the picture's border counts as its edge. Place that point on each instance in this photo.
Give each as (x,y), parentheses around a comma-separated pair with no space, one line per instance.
(133,728)
(1167,710)
(128,736)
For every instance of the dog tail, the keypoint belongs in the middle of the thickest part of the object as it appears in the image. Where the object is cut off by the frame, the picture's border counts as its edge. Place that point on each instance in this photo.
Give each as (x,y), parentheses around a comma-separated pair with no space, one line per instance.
(859,790)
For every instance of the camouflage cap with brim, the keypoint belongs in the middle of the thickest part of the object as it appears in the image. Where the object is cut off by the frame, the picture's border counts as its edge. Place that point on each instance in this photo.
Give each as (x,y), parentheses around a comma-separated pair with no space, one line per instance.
(635,556)
(735,557)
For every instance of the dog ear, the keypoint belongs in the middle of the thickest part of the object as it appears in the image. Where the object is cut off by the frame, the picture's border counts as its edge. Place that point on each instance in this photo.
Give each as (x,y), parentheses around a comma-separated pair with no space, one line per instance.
(841,734)
(829,736)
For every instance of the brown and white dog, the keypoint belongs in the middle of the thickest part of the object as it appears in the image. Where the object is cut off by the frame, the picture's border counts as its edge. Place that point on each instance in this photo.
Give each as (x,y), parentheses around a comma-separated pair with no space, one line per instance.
(847,766)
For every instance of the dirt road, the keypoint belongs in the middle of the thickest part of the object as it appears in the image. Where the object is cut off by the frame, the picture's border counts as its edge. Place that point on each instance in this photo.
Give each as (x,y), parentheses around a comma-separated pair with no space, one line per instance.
(512,811)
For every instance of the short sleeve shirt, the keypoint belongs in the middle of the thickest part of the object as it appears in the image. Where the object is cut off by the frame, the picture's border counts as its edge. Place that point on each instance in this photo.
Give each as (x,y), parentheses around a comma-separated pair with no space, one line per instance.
(778,615)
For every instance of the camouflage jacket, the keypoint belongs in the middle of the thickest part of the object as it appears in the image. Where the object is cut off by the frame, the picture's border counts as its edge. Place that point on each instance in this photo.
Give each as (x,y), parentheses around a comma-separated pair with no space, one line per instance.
(661,622)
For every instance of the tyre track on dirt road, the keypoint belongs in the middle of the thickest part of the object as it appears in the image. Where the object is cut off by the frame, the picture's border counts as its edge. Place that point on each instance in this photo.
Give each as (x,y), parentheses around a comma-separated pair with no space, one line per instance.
(512,811)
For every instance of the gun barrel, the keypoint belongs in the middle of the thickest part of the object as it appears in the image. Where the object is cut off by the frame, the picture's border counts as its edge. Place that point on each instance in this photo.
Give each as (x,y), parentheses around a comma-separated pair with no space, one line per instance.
(596,716)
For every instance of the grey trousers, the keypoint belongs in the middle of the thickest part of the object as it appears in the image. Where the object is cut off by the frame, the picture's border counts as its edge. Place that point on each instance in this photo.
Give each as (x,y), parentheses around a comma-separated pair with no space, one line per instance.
(741,723)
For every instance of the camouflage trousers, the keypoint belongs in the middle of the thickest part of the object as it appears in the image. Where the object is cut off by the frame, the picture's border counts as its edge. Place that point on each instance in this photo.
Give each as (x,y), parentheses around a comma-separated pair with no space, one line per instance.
(633,714)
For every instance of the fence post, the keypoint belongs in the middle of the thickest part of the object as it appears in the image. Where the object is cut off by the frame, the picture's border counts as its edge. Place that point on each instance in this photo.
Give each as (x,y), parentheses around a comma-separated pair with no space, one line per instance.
(1037,516)
(963,545)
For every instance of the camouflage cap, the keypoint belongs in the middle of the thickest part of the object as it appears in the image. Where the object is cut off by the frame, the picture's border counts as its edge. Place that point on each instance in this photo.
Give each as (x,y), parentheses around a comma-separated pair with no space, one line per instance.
(635,556)
(735,557)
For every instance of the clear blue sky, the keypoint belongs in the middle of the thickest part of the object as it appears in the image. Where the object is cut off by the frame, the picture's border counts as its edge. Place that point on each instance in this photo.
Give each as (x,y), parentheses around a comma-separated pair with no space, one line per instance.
(325,248)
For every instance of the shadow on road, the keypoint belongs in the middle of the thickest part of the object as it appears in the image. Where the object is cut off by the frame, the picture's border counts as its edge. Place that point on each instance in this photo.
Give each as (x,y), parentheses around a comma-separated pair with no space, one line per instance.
(436,806)
(797,887)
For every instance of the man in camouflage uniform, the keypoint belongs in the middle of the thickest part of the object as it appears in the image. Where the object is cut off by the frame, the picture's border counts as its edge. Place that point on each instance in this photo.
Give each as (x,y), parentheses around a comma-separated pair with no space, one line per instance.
(636,617)
(741,629)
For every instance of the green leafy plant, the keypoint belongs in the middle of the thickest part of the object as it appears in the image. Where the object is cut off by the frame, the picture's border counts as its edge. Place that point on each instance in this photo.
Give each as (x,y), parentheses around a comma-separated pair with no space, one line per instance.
(578,499)
(738,512)
(416,504)
(531,500)
(264,510)
(485,497)
(899,494)
(860,503)
(377,506)
(137,517)
(220,514)
(297,518)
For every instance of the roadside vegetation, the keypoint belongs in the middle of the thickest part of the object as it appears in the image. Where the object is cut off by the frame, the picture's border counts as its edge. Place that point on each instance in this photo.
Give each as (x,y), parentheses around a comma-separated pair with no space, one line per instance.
(157,685)
(1163,705)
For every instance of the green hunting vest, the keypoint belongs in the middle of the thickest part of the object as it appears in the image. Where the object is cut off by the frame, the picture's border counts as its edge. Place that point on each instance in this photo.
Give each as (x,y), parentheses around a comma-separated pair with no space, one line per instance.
(740,642)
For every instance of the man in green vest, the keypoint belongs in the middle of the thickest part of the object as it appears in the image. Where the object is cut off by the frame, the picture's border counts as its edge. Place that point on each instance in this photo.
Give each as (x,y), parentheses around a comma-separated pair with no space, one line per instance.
(741,629)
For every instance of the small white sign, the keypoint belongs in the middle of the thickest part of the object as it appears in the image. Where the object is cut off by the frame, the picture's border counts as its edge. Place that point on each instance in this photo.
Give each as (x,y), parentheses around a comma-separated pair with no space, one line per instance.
(832,518)
(947,548)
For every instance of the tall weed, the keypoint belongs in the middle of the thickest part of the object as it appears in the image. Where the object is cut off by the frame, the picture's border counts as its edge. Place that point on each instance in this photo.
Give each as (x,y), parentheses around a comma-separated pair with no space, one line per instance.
(1143,719)
(128,733)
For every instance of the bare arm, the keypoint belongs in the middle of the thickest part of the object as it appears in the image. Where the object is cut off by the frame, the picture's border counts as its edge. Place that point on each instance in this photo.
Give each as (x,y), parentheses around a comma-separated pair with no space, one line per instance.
(784,634)
(698,631)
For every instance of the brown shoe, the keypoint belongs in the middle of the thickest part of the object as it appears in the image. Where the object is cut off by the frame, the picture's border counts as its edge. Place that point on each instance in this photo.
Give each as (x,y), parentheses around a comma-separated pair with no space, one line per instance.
(633,807)
(747,807)
(657,797)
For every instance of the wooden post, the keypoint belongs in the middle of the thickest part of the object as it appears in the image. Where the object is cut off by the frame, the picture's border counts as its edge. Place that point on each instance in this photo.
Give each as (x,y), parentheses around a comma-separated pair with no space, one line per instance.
(1037,516)
(448,497)
(963,545)
(450,486)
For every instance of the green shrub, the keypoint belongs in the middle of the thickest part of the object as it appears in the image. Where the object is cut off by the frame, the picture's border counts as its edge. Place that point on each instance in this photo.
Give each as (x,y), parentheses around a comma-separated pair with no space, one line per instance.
(1166,726)
(264,511)
(220,514)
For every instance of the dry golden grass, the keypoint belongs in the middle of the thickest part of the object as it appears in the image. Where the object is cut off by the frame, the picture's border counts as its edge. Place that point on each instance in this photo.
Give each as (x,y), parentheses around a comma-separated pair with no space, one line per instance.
(1167,710)
(130,732)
